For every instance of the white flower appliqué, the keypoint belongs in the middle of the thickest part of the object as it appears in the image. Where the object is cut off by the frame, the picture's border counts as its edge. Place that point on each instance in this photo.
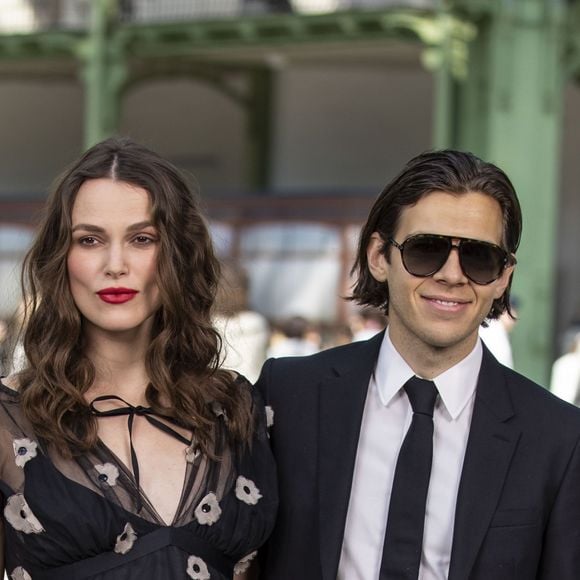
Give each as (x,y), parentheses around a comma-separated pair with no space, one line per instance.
(24,451)
(247,491)
(108,474)
(208,511)
(244,563)
(20,574)
(269,416)
(197,569)
(20,516)
(125,539)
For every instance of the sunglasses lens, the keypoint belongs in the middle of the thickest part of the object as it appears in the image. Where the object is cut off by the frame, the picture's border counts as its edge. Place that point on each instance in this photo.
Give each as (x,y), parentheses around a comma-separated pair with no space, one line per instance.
(481,262)
(423,255)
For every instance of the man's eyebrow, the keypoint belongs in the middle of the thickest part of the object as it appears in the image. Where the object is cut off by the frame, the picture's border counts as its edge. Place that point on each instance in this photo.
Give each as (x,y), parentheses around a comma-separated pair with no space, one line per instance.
(97,229)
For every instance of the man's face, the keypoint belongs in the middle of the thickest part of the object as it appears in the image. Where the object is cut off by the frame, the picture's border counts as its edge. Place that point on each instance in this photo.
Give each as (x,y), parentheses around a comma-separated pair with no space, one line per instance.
(440,314)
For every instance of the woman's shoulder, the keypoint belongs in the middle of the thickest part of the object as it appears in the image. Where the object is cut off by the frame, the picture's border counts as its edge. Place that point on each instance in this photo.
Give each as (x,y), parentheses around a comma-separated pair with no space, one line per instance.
(242,383)
(246,397)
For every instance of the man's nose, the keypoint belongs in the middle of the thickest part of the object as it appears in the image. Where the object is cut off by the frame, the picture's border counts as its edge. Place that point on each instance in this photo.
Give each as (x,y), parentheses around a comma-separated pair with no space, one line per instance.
(451,272)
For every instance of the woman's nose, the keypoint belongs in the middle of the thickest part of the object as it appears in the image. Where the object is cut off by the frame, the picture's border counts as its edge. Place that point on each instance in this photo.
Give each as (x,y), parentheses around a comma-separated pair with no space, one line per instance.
(116,261)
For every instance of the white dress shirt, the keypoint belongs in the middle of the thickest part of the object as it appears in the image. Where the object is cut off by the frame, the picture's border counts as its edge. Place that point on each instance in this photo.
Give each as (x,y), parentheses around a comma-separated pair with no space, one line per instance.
(387,416)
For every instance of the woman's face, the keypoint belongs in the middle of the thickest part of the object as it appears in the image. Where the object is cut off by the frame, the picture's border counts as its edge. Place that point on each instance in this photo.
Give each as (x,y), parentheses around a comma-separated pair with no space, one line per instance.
(112,258)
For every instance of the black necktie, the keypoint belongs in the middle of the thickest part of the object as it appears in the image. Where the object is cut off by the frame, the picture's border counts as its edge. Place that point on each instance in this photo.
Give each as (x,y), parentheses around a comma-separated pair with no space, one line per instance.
(404,535)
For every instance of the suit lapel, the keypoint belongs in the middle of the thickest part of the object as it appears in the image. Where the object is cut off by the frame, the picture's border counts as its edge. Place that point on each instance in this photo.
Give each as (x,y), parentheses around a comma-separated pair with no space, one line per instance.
(490,447)
(341,405)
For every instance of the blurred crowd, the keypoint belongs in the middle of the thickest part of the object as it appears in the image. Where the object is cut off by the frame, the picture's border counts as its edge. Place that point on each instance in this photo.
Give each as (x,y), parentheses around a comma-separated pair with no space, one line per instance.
(565,380)
(249,338)
(12,356)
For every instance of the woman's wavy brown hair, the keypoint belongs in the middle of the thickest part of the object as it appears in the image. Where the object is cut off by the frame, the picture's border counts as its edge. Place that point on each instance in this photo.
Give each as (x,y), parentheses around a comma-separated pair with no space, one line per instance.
(183,357)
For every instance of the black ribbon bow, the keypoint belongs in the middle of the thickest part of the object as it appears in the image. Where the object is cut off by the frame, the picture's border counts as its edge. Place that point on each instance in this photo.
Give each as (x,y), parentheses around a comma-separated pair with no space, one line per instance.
(150,415)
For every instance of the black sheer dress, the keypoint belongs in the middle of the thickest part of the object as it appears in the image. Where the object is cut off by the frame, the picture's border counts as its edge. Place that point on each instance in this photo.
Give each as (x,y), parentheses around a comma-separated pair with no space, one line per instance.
(85,518)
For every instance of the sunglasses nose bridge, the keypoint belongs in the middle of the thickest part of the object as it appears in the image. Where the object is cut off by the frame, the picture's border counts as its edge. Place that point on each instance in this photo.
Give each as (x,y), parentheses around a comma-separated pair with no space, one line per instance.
(452,268)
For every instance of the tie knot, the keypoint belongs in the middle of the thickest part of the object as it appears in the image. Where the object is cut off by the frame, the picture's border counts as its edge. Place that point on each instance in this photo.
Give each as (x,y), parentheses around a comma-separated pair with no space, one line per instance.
(422,395)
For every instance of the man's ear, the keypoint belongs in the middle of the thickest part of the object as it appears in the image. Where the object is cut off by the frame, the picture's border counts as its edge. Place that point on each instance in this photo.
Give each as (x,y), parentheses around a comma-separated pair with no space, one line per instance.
(502,282)
(377,262)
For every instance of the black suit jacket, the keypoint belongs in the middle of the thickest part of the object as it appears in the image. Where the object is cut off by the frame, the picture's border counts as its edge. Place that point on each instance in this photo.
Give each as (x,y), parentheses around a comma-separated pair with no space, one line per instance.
(518,505)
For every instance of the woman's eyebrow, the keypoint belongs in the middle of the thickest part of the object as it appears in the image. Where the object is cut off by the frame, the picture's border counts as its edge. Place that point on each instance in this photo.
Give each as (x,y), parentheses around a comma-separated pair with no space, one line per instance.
(140,226)
(88,228)
(98,229)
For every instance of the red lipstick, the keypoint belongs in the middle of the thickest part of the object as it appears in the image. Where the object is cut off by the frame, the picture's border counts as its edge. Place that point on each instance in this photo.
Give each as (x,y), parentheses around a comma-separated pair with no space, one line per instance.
(117,295)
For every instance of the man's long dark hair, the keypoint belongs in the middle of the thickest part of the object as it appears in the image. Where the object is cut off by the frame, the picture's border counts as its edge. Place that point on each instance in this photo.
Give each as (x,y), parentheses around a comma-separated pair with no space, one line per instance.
(448,171)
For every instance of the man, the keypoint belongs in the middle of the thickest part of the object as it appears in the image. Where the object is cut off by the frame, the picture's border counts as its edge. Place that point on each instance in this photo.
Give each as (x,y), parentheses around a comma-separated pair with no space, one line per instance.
(416,454)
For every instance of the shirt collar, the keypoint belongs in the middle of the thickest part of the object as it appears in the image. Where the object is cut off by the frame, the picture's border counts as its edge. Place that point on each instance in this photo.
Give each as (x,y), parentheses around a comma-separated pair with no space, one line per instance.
(456,385)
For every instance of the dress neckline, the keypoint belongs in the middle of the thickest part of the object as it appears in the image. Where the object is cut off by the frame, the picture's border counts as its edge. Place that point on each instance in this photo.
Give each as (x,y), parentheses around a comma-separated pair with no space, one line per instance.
(152,417)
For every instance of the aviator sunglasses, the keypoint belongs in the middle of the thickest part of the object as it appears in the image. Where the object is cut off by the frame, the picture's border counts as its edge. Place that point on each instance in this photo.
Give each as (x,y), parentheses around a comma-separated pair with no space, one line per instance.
(425,254)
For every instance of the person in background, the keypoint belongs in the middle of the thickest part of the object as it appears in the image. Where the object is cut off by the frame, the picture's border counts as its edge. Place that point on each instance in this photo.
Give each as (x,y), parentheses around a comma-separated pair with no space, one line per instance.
(565,378)
(245,332)
(496,335)
(3,345)
(367,323)
(295,336)
(14,355)
(415,454)
(126,451)
(567,342)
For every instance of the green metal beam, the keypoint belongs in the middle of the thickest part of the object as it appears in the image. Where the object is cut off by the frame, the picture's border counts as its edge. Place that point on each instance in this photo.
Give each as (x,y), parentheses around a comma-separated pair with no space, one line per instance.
(116,56)
(40,45)
(524,137)
(187,37)
(104,74)
(219,75)
(509,111)
(259,129)
(442,57)
(472,98)
(446,38)
(573,42)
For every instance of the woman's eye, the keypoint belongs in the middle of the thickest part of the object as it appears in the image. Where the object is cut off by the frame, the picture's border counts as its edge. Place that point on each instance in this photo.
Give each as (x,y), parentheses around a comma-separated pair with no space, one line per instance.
(88,241)
(143,240)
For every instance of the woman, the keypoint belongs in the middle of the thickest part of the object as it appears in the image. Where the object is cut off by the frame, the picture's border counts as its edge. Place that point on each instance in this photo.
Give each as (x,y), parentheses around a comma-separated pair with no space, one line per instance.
(125,451)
